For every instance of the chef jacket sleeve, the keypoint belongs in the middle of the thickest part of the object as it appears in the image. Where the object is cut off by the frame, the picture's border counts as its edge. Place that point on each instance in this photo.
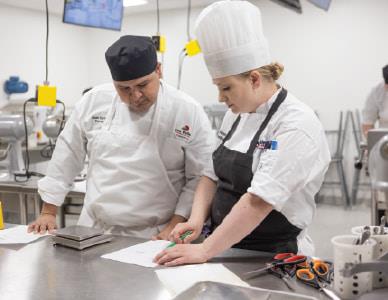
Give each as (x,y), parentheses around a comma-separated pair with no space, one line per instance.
(208,170)
(371,109)
(286,170)
(197,155)
(66,163)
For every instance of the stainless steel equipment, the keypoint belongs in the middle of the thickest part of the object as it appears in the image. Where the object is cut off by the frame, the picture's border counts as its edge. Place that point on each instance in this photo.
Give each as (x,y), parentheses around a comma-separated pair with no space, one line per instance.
(378,265)
(378,164)
(378,171)
(374,135)
(51,126)
(12,133)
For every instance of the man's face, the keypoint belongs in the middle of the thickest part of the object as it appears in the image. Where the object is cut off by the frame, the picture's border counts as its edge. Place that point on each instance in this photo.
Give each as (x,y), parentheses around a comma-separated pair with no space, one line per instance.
(140,93)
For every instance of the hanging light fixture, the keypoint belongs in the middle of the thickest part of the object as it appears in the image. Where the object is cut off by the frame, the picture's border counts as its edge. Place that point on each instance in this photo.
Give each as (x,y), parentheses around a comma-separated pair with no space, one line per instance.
(127,3)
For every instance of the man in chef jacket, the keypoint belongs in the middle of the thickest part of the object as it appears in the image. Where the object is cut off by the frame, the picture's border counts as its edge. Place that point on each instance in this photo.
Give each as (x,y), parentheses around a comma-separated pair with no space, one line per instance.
(376,106)
(147,144)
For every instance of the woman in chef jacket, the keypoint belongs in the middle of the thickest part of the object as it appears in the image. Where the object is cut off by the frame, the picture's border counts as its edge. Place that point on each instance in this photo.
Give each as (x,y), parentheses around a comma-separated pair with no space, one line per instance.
(272,153)
(376,106)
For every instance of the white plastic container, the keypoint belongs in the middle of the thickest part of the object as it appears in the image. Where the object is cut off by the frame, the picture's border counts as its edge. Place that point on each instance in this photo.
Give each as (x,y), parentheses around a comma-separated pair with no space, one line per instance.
(380,279)
(345,251)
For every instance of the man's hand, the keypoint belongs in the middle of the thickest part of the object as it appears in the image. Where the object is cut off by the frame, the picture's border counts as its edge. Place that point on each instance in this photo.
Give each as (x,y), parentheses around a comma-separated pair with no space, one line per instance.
(46,221)
(165,233)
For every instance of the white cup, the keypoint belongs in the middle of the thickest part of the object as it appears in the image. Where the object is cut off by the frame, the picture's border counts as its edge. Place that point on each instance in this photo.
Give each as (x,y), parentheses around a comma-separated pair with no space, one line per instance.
(380,279)
(346,251)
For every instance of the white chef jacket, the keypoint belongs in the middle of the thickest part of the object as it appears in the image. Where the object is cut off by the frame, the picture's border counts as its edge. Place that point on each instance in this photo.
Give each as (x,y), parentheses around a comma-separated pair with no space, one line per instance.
(185,142)
(287,177)
(376,106)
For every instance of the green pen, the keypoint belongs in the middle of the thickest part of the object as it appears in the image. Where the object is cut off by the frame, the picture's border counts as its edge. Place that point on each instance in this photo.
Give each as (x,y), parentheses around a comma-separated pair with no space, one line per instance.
(182,237)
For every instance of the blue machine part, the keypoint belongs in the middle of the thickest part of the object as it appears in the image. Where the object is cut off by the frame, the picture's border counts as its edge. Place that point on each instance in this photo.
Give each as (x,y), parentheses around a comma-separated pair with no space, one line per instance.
(14,86)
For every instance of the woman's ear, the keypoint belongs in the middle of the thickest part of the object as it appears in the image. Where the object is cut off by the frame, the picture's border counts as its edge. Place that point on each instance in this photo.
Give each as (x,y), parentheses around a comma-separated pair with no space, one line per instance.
(255,78)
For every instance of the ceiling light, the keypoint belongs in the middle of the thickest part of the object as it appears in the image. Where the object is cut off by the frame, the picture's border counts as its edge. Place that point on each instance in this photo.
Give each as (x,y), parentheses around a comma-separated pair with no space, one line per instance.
(127,3)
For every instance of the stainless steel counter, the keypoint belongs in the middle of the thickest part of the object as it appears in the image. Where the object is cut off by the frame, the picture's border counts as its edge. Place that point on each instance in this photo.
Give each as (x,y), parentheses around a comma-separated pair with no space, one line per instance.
(42,271)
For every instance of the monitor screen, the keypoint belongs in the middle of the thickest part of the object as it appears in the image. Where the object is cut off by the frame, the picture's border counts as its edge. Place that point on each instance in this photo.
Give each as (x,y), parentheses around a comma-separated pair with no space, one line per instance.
(321,3)
(94,13)
(292,4)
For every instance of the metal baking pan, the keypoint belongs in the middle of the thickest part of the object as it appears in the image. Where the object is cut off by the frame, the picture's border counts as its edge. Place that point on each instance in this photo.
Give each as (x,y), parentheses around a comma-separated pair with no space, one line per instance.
(214,290)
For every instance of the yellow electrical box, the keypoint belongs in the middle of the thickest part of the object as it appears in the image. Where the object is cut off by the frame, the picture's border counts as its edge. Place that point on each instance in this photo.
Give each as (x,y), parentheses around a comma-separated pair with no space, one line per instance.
(162,44)
(1,217)
(192,48)
(47,95)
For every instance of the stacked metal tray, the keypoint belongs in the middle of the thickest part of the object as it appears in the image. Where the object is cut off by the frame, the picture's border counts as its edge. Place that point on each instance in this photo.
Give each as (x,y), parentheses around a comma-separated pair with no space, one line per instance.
(214,290)
(80,237)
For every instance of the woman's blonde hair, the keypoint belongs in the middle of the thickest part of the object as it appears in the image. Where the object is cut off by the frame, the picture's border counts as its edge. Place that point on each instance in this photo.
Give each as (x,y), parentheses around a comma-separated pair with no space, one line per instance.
(270,72)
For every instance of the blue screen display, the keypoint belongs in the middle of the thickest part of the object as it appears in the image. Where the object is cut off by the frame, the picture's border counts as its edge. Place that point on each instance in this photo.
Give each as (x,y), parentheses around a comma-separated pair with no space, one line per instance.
(321,3)
(94,13)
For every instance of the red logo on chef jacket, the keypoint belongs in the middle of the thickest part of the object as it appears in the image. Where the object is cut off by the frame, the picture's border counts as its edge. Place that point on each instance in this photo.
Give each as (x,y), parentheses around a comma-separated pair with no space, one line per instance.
(183,133)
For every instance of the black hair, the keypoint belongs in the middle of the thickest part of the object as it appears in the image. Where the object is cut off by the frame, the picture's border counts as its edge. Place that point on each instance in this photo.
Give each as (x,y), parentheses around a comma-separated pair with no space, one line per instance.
(86,90)
(385,74)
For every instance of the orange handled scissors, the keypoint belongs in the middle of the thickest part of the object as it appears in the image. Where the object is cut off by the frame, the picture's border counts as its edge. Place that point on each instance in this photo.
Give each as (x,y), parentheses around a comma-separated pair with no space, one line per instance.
(291,269)
(309,278)
(321,270)
(324,269)
(278,272)
(281,259)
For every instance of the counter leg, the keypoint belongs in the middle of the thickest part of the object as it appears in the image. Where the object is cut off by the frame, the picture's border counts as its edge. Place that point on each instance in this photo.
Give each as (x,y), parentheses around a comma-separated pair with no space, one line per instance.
(374,211)
(37,205)
(23,208)
(61,216)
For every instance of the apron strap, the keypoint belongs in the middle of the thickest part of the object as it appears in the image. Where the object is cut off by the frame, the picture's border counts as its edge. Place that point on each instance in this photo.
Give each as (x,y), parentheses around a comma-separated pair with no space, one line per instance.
(232,130)
(279,100)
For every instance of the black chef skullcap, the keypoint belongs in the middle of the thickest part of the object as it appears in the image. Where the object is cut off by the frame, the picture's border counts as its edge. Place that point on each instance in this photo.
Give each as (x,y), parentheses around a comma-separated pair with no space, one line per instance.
(385,74)
(131,57)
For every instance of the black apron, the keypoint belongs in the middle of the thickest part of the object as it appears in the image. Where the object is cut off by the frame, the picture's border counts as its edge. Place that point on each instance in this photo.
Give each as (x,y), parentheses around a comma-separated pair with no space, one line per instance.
(234,172)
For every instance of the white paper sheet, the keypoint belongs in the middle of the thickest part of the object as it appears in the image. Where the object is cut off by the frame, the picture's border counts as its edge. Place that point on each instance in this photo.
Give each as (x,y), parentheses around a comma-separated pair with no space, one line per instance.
(18,235)
(140,254)
(178,279)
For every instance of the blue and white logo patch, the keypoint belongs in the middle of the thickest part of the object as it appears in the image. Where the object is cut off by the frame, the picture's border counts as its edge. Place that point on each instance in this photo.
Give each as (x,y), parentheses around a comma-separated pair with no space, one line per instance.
(267,145)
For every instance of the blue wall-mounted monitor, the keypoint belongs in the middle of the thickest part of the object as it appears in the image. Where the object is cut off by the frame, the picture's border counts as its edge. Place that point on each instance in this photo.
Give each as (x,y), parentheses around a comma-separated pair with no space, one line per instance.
(324,4)
(106,14)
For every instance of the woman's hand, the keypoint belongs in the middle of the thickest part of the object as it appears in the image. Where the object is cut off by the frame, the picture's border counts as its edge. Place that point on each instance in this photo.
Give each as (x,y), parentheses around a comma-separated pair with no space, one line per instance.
(181,228)
(182,254)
